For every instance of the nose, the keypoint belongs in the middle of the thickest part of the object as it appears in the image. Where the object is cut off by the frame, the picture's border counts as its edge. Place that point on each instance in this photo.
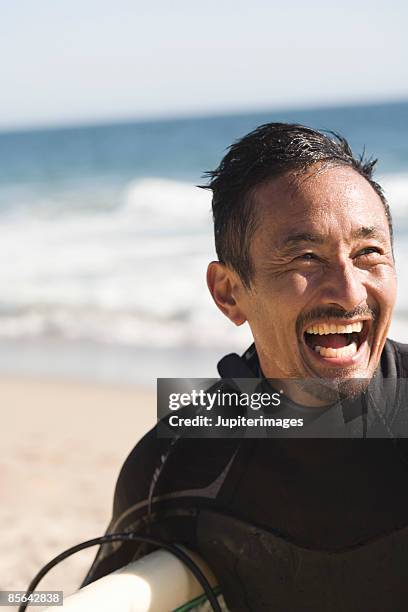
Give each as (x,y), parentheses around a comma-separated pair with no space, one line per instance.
(343,286)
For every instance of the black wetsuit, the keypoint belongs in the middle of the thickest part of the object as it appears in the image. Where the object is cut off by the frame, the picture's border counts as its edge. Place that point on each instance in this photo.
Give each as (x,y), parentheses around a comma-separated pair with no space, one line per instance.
(307,501)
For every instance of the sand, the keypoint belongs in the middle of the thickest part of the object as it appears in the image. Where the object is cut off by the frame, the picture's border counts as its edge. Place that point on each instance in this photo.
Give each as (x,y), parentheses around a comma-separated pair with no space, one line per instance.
(62,446)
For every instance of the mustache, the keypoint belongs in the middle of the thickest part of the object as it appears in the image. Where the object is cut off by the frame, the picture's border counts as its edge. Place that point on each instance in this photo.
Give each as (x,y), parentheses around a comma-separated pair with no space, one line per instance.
(332,312)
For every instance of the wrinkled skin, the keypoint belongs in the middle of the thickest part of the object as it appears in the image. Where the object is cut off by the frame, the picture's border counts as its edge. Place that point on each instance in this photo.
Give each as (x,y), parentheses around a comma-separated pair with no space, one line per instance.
(346,273)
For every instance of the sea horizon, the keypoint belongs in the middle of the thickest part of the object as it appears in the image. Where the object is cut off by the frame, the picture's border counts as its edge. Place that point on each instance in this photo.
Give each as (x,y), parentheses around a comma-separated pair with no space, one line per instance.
(115,120)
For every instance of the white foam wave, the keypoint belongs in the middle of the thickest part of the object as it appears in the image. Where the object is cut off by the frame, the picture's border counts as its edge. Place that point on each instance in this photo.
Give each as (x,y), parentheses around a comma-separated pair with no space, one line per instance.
(181,204)
(396,191)
(129,273)
(126,329)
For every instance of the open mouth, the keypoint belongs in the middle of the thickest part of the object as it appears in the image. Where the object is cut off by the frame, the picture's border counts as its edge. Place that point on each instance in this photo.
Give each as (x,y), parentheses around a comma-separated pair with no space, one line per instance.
(336,340)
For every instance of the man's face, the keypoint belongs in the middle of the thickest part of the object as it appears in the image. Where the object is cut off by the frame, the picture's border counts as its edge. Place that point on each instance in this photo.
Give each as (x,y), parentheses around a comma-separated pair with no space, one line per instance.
(324,281)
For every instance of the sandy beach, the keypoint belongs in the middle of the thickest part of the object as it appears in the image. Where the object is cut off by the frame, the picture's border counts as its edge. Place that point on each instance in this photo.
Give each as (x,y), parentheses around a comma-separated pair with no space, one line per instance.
(62,444)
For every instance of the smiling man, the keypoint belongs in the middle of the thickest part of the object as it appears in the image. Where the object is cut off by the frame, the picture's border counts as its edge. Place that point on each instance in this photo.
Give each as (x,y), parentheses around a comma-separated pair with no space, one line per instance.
(304,242)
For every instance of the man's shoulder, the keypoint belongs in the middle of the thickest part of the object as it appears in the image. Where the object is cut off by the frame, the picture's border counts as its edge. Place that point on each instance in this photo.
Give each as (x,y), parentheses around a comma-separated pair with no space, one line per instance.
(398,346)
(395,359)
(158,468)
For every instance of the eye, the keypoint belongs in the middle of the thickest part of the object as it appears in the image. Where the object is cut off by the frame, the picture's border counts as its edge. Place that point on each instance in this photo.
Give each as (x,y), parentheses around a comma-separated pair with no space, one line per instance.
(307,257)
(369,251)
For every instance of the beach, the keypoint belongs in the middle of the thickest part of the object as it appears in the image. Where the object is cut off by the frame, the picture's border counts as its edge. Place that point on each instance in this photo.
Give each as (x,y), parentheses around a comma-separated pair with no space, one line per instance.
(63,444)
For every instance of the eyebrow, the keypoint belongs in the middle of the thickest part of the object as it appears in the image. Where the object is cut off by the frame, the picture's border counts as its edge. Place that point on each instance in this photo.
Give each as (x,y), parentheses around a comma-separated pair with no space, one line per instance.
(368,232)
(293,240)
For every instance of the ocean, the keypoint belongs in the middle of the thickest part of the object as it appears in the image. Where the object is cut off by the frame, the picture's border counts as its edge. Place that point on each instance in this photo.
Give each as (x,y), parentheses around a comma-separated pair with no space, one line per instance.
(105,239)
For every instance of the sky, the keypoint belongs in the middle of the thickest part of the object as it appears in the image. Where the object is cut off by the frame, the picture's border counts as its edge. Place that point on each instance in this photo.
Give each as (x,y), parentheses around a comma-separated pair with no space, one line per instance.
(81,61)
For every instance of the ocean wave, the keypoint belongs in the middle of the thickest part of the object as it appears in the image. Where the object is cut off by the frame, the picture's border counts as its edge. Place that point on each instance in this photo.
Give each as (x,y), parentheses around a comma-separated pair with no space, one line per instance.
(396,191)
(167,202)
(199,329)
(133,272)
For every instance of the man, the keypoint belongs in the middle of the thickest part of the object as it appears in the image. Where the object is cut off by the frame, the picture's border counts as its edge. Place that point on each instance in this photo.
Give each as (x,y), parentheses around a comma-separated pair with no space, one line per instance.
(304,240)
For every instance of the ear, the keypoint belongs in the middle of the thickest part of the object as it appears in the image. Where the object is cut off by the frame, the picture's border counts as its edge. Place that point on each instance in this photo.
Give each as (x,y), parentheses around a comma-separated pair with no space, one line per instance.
(225,287)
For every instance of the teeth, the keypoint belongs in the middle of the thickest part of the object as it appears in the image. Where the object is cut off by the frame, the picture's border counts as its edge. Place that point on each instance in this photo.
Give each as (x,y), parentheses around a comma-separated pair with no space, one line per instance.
(345,351)
(325,328)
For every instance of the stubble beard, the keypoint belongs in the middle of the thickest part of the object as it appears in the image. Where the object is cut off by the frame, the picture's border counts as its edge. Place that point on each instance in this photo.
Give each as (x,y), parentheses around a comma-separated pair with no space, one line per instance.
(333,389)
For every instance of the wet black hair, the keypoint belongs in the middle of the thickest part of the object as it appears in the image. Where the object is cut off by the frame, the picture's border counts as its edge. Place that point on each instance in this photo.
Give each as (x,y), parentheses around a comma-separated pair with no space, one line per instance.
(270,151)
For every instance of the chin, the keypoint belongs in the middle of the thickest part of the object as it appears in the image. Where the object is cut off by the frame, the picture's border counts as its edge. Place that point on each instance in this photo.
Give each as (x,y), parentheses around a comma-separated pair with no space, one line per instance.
(333,389)
(328,383)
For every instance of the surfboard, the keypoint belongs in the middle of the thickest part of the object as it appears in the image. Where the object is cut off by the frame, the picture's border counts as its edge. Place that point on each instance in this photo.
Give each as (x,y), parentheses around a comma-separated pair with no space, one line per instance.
(158,582)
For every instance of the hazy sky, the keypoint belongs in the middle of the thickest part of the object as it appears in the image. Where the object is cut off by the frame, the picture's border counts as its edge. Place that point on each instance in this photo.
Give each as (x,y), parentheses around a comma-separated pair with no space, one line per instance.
(87,60)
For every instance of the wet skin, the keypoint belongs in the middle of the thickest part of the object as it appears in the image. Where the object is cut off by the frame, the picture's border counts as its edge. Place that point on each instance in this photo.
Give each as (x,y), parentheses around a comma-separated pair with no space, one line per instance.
(321,254)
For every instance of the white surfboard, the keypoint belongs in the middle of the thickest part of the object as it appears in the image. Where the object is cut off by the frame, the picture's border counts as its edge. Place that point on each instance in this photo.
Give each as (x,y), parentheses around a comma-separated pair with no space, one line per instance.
(159,582)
